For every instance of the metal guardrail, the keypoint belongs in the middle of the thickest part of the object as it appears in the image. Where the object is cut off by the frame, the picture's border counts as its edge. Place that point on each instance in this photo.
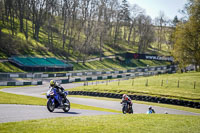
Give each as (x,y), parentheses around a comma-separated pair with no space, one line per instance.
(82,73)
(17,83)
(124,74)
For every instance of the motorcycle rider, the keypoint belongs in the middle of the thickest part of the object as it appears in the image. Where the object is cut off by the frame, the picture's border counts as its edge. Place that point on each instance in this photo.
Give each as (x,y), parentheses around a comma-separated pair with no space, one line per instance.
(127,99)
(59,88)
(150,110)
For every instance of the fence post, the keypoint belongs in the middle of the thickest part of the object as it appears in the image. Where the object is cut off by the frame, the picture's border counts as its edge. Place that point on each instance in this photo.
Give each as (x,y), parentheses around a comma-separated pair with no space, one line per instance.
(162,83)
(178,84)
(132,82)
(194,84)
(147,82)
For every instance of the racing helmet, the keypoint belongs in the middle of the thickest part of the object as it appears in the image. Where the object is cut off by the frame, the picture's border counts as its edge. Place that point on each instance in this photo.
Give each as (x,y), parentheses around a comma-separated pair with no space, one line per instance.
(124,96)
(52,83)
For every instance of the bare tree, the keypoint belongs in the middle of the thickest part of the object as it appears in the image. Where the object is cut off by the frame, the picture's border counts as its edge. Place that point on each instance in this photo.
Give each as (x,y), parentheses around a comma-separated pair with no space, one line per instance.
(1,17)
(20,5)
(134,12)
(10,14)
(146,33)
(38,13)
(161,22)
(125,17)
(27,17)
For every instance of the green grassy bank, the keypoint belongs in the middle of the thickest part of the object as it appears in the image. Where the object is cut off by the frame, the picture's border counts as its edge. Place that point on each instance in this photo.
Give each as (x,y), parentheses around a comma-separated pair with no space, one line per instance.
(138,123)
(177,86)
(8,98)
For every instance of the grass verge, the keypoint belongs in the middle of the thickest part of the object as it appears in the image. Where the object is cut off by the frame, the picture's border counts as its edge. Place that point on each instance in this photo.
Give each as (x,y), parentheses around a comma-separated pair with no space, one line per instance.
(142,102)
(175,86)
(139,123)
(8,98)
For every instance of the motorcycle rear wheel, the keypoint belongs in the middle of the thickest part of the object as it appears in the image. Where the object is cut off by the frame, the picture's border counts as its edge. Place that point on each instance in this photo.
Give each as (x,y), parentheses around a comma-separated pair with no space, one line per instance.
(131,110)
(66,107)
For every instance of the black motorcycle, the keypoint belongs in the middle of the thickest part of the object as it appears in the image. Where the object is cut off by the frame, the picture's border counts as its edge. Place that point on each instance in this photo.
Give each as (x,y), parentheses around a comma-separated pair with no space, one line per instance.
(126,108)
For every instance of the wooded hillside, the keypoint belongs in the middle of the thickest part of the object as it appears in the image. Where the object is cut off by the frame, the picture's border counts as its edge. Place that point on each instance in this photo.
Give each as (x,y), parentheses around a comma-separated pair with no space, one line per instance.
(79,29)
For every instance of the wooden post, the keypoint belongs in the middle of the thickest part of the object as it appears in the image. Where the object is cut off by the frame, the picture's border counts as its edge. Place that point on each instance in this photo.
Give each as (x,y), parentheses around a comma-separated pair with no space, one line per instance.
(162,83)
(194,84)
(132,82)
(118,82)
(178,84)
(147,82)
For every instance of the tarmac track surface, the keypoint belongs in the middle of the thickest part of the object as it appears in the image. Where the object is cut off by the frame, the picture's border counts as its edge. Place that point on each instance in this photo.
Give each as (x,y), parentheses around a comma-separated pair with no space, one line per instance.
(10,113)
(13,112)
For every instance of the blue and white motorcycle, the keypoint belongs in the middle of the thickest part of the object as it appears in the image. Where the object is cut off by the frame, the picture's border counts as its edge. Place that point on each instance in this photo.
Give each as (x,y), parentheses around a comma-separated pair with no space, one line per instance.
(55,100)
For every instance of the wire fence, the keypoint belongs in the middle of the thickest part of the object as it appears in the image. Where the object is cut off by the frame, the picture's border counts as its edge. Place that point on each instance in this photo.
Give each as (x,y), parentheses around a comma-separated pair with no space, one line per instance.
(161,83)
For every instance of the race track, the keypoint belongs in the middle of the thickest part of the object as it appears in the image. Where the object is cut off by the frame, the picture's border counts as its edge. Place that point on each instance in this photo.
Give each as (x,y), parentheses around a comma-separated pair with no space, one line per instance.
(11,112)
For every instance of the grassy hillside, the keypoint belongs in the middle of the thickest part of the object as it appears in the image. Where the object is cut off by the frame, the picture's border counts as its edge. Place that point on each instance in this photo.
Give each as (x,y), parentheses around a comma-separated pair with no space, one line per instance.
(113,64)
(7,67)
(106,64)
(17,44)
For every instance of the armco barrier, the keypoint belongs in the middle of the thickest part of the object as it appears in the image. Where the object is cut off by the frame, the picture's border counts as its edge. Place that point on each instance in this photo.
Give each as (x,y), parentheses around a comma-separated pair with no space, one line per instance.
(105,77)
(170,69)
(20,83)
(140,98)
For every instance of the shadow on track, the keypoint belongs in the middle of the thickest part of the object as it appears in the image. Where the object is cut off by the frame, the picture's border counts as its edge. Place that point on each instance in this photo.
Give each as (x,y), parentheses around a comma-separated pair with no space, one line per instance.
(74,113)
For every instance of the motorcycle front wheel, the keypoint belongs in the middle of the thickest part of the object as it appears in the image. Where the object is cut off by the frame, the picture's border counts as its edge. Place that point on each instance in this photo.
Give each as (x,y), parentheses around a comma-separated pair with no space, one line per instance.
(66,105)
(124,110)
(50,106)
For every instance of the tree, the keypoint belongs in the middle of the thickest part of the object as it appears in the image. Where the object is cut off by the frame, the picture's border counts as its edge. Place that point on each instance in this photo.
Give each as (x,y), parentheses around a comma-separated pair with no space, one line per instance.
(38,13)
(125,16)
(145,33)
(187,37)
(1,17)
(161,22)
(175,21)
(20,5)
(134,13)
